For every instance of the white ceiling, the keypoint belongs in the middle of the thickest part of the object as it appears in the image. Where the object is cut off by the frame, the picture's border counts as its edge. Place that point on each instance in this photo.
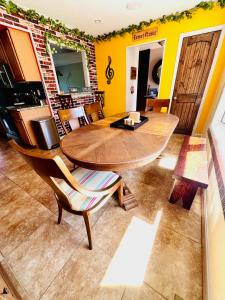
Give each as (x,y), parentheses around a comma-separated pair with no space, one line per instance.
(114,15)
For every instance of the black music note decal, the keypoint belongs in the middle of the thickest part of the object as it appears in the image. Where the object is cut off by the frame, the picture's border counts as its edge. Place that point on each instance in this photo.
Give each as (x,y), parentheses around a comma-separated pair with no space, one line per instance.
(109,72)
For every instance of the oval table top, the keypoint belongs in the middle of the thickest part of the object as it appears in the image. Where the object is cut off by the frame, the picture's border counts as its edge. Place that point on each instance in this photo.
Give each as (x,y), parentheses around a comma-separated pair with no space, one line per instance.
(99,147)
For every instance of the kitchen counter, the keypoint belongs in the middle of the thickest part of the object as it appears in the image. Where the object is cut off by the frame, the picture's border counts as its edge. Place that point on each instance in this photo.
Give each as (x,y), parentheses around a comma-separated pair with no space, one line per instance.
(22,108)
(22,117)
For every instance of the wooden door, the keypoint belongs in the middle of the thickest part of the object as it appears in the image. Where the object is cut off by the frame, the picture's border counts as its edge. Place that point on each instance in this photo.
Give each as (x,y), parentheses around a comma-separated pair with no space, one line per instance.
(143,66)
(196,58)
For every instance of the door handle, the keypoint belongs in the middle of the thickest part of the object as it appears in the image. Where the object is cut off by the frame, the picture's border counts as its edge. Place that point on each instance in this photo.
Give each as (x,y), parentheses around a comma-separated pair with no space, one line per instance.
(174,98)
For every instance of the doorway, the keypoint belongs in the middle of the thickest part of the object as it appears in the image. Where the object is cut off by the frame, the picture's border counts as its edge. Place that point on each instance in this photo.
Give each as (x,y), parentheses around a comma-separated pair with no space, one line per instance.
(145,61)
(195,62)
(143,66)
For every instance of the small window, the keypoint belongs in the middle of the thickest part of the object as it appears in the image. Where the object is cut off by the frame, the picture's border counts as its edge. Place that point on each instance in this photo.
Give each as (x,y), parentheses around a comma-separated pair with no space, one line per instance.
(71,69)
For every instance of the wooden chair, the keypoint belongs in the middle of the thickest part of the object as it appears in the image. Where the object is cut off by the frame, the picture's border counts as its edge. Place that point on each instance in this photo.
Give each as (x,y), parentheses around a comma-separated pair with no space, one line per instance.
(100,97)
(156,104)
(94,111)
(72,118)
(81,192)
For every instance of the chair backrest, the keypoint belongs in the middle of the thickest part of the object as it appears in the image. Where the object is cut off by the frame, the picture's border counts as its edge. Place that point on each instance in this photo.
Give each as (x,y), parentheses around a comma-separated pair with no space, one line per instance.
(94,111)
(74,117)
(100,97)
(156,104)
(49,167)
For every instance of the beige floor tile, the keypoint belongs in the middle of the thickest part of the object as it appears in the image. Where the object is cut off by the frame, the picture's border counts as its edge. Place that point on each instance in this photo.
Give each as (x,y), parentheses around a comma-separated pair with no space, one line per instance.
(110,228)
(1,257)
(154,196)
(10,161)
(174,144)
(46,197)
(37,261)
(52,261)
(97,293)
(8,274)
(12,194)
(182,221)
(186,222)
(5,185)
(77,222)
(81,276)
(143,292)
(19,219)
(175,266)
(28,180)
(109,293)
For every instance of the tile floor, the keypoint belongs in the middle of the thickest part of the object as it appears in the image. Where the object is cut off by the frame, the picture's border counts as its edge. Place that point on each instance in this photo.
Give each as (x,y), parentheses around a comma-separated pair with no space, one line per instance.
(150,252)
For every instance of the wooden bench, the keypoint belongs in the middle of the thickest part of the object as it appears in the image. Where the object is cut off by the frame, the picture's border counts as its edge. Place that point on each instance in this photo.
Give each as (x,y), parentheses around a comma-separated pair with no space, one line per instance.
(191,171)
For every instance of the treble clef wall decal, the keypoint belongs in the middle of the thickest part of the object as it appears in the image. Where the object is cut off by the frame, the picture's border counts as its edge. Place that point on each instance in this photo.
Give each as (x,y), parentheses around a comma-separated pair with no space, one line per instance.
(109,72)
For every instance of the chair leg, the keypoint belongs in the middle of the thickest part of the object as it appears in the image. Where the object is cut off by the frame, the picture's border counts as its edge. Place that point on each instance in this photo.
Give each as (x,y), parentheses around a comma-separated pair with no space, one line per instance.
(120,194)
(87,224)
(59,213)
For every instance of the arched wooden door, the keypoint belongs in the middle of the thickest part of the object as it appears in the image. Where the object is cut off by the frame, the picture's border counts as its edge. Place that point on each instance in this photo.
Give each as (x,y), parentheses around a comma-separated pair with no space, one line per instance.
(196,58)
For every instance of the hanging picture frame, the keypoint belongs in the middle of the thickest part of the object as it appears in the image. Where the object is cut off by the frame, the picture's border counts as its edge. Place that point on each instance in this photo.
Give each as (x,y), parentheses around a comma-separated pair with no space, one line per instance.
(133,73)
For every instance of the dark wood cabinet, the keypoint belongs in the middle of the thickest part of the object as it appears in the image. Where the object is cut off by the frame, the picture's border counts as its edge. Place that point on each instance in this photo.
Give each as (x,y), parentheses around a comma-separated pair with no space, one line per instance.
(19,54)
(22,120)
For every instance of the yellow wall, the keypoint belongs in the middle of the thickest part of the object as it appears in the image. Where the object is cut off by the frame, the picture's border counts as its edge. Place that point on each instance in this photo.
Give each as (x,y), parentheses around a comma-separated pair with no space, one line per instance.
(115,93)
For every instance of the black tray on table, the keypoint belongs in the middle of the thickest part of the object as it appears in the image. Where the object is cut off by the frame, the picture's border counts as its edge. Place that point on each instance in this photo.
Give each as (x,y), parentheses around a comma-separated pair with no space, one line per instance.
(120,124)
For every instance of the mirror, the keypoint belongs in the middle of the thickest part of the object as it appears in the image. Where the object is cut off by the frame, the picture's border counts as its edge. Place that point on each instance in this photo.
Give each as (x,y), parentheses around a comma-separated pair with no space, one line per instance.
(156,72)
(71,69)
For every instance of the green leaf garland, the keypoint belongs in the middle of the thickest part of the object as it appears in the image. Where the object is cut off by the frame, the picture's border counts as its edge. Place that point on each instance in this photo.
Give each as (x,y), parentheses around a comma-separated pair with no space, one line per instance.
(176,17)
(33,16)
(61,42)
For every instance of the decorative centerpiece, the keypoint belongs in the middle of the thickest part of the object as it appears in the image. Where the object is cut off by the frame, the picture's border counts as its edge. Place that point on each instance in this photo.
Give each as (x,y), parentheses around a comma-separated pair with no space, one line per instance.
(134,117)
(131,122)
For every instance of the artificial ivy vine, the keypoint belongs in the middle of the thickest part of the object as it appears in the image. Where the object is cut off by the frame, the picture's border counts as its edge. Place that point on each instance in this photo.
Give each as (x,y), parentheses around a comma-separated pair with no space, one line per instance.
(176,17)
(33,16)
(65,43)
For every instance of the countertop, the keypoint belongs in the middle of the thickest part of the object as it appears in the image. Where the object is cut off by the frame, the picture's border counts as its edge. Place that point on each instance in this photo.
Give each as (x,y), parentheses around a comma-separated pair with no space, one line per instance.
(21,108)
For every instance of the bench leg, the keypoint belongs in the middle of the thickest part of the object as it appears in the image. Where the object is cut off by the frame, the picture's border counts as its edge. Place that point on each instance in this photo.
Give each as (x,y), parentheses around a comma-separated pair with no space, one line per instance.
(185,191)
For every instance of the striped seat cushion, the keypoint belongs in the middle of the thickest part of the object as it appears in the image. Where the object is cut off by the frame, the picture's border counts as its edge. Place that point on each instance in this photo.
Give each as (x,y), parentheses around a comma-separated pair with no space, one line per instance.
(91,180)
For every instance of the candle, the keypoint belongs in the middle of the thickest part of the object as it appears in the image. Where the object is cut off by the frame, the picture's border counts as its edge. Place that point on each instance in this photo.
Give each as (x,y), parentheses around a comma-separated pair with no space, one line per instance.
(135,116)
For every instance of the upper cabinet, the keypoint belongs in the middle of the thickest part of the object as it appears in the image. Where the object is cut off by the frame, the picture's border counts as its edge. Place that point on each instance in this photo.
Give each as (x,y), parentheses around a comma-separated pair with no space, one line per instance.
(19,54)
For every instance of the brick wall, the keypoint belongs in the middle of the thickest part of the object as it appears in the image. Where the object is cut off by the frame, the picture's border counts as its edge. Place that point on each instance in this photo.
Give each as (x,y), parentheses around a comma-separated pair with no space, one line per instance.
(37,32)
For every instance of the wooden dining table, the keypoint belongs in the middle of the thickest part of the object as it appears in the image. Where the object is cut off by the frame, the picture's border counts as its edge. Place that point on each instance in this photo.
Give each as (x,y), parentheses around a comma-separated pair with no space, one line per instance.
(100,147)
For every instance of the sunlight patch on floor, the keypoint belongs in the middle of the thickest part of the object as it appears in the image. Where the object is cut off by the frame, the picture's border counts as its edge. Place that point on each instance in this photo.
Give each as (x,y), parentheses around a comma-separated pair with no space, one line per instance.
(168,162)
(129,263)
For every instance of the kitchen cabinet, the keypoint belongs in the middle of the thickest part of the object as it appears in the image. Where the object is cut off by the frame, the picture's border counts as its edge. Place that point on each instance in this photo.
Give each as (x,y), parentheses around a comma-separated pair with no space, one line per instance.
(3,58)
(22,120)
(20,55)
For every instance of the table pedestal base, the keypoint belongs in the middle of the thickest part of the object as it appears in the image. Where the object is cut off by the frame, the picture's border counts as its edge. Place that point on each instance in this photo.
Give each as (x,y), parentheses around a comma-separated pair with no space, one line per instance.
(129,200)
